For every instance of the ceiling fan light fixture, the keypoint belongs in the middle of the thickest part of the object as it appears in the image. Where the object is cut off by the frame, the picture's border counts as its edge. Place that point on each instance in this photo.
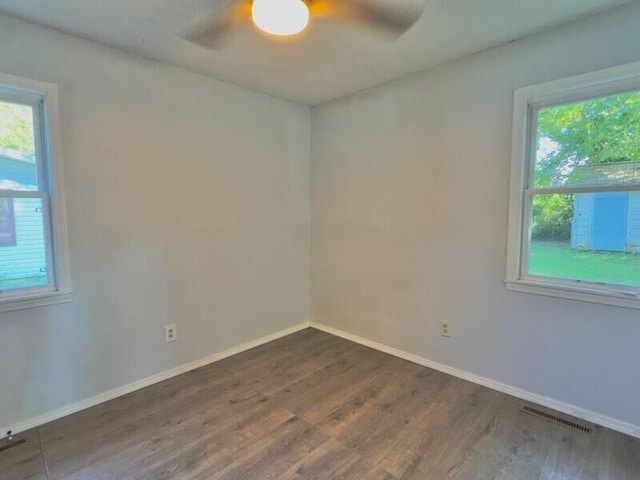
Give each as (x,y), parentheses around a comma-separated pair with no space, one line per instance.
(280,17)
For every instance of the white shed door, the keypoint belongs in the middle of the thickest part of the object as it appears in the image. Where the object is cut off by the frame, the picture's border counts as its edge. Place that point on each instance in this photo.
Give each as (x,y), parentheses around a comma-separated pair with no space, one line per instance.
(582,220)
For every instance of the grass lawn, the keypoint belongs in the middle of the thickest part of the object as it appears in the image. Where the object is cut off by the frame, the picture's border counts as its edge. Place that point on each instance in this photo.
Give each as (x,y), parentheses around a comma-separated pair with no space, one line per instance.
(560,260)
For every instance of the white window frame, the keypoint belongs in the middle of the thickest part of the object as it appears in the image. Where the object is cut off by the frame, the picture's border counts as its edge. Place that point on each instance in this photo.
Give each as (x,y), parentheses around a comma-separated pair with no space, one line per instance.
(527,102)
(43,97)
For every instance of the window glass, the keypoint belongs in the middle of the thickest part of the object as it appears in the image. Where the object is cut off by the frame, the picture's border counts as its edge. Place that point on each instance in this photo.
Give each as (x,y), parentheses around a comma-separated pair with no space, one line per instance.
(34,257)
(574,211)
(590,237)
(18,166)
(584,225)
(23,254)
(593,142)
(24,248)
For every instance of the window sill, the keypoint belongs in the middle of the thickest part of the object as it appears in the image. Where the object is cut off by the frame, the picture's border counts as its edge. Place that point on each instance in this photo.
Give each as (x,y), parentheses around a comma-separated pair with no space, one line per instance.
(37,300)
(584,294)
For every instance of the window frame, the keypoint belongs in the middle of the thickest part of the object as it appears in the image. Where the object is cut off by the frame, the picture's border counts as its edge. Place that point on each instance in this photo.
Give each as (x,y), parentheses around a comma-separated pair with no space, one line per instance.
(526,103)
(43,98)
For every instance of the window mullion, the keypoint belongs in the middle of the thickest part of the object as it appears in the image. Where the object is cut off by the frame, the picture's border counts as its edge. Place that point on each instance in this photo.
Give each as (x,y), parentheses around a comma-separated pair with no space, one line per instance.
(19,97)
(525,235)
(22,194)
(49,250)
(532,143)
(40,147)
(583,189)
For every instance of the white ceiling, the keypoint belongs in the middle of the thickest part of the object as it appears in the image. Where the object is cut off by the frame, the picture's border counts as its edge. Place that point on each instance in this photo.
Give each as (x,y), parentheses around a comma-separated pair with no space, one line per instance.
(329,60)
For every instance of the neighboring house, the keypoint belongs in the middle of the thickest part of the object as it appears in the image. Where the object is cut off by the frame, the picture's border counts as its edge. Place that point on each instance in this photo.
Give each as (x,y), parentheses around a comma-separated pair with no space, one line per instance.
(606,221)
(22,252)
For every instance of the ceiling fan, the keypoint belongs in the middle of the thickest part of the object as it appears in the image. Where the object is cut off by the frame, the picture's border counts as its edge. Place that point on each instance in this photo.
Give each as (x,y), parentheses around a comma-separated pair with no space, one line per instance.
(289,17)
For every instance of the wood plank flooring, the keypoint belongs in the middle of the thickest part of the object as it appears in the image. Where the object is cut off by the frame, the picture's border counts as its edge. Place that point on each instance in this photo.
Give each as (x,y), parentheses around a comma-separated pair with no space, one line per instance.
(314,406)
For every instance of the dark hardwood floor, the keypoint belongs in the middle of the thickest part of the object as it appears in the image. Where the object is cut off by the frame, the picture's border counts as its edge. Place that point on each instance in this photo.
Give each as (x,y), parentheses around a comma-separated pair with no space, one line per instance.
(314,406)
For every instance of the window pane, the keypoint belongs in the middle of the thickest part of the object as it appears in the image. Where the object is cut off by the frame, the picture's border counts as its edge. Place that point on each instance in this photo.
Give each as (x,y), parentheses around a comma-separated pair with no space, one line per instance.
(18,169)
(23,257)
(594,142)
(592,237)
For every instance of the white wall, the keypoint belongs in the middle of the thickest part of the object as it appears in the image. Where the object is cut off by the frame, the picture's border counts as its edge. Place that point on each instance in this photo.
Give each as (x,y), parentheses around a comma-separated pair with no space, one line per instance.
(188,202)
(409,206)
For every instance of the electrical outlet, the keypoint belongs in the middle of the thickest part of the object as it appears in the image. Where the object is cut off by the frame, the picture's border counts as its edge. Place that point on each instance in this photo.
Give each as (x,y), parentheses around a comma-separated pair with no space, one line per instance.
(445,331)
(170,333)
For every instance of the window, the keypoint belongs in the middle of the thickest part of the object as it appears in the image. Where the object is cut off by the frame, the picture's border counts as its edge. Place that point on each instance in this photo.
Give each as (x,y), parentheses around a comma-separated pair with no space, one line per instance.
(574,226)
(33,246)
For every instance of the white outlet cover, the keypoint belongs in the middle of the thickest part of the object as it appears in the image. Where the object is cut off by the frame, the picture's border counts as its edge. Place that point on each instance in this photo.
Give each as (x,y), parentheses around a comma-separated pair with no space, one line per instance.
(445,329)
(170,333)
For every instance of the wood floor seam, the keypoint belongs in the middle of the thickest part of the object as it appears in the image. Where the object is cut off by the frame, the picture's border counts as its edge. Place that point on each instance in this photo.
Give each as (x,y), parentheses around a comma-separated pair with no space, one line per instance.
(44,458)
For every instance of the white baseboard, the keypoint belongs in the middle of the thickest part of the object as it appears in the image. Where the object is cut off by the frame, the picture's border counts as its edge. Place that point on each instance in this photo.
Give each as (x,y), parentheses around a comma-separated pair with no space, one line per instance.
(145,382)
(588,415)
(599,419)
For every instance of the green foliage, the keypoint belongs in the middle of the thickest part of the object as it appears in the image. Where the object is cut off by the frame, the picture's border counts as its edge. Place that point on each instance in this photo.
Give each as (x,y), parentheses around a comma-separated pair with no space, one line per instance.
(16,128)
(602,130)
(551,219)
(599,131)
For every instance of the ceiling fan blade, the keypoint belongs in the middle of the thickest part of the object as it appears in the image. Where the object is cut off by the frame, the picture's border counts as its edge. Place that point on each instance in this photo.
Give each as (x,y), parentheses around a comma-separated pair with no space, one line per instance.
(395,17)
(212,33)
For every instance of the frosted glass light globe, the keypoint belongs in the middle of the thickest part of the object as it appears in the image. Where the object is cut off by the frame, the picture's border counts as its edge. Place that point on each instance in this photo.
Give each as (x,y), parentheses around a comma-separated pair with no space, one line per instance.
(280,17)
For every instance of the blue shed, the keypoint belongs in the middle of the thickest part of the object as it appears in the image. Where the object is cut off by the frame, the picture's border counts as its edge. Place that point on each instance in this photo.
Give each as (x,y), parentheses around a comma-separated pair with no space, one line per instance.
(606,221)
(22,248)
